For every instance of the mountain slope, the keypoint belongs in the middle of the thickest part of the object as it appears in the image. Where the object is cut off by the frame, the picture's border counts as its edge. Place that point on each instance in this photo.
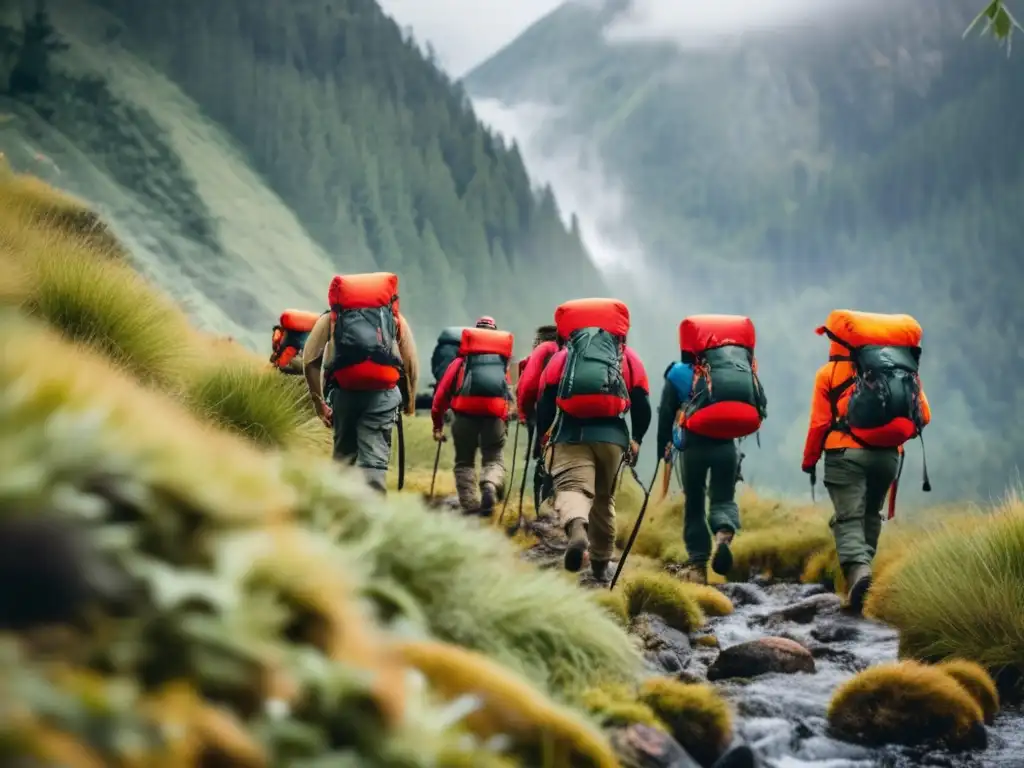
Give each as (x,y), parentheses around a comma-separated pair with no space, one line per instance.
(273,155)
(869,157)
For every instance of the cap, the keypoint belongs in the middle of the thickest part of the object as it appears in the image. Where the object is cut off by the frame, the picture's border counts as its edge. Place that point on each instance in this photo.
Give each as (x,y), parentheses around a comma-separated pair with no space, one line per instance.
(486,322)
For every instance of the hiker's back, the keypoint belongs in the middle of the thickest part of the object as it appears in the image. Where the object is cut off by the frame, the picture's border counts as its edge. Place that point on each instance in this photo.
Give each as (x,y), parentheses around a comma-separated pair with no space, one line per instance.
(445,350)
(593,374)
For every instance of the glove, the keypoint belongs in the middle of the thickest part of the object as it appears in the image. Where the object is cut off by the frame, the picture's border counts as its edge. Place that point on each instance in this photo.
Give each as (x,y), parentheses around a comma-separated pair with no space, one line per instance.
(809,469)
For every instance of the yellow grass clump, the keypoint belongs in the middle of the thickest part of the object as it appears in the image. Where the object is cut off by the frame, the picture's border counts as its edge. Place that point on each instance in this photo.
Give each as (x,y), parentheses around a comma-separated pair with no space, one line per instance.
(977,682)
(619,705)
(696,715)
(906,703)
(508,705)
(663,595)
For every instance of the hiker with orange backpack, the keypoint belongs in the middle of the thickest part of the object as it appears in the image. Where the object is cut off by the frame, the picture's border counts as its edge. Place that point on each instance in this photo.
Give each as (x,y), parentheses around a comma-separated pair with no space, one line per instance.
(867,402)
(361,367)
(289,338)
(585,391)
(476,387)
(712,397)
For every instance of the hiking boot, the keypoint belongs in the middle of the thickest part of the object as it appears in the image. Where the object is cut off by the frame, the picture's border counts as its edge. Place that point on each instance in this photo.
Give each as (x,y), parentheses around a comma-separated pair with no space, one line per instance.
(695,573)
(599,570)
(721,563)
(577,546)
(487,497)
(859,579)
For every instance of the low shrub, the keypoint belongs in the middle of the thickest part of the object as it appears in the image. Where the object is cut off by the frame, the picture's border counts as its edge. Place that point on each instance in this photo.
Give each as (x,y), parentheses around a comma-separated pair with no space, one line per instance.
(977,682)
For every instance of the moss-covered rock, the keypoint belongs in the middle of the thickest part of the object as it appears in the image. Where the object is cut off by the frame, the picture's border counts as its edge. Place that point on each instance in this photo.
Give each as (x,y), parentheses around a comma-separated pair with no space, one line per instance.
(696,715)
(906,703)
(977,682)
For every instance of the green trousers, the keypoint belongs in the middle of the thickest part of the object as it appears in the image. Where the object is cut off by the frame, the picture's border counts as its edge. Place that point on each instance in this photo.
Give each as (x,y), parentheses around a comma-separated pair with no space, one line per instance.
(857,480)
(709,473)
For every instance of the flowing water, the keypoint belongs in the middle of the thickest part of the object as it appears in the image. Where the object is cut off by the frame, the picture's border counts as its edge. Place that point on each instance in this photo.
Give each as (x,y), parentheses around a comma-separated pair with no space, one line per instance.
(783,716)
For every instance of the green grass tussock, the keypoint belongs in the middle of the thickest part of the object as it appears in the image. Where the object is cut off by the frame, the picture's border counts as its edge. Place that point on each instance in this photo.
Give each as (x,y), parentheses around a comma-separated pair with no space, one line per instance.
(960,592)
(619,705)
(256,402)
(906,703)
(470,588)
(665,596)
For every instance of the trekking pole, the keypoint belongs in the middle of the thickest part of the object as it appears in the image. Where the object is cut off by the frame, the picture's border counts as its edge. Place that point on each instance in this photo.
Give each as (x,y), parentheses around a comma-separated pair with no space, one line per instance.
(437,460)
(512,474)
(639,519)
(514,529)
(401,453)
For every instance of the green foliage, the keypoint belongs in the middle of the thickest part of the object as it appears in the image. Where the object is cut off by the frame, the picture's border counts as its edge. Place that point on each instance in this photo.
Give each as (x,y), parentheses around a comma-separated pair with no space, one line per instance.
(834,173)
(377,151)
(998,21)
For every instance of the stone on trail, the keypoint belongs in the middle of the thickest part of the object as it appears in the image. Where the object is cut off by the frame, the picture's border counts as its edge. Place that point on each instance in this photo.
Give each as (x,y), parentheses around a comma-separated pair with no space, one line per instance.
(668,648)
(761,657)
(640,746)
(805,611)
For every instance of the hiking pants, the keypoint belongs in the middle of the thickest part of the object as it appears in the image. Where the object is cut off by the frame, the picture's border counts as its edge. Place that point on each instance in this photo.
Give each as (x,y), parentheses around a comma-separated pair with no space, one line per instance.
(470,433)
(363,423)
(584,480)
(857,480)
(719,460)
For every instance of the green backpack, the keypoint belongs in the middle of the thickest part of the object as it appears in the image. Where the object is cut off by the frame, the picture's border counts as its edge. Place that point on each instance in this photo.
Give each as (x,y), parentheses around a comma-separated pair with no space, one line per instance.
(592,385)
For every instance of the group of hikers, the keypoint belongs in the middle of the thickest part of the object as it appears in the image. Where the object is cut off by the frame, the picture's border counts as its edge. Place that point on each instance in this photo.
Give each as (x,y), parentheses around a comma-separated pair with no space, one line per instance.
(573,392)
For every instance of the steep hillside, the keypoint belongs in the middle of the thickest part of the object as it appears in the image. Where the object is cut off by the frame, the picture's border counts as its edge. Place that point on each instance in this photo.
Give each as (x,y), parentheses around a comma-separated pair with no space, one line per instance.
(249,153)
(867,157)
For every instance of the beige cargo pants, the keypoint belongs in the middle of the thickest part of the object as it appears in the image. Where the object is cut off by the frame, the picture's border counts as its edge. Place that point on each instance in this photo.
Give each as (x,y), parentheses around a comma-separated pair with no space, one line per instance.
(486,434)
(584,476)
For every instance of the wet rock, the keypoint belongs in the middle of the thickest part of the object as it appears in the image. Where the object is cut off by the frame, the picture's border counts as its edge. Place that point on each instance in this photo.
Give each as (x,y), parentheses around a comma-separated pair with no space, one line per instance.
(740,756)
(640,746)
(742,594)
(844,659)
(668,648)
(834,632)
(803,612)
(761,657)
(812,590)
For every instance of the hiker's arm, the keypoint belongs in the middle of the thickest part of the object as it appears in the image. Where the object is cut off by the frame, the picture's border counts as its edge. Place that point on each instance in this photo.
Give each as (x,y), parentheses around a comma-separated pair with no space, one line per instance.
(443,393)
(820,420)
(312,372)
(667,409)
(528,388)
(639,412)
(546,409)
(410,363)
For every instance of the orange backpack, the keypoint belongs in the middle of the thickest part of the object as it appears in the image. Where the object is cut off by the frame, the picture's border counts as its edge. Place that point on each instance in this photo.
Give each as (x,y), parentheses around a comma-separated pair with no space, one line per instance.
(593,383)
(290,334)
(481,388)
(365,331)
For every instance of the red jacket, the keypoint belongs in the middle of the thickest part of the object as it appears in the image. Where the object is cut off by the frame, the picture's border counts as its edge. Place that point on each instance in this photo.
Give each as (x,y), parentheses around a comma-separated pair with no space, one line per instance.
(528,388)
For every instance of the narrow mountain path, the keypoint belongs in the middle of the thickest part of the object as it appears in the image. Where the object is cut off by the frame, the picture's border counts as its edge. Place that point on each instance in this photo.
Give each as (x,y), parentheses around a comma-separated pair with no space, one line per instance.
(780,656)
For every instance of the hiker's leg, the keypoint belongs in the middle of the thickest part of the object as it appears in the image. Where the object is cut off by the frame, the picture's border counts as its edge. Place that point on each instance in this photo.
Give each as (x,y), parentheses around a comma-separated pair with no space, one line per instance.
(696,536)
(466,438)
(723,461)
(601,527)
(346,415)
(846,481)
(881,472)
(493,433)
(573,470)
(374,429)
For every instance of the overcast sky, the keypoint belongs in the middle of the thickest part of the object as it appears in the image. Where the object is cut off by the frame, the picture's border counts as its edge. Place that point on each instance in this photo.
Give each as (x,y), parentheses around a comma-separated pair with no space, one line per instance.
(465,32)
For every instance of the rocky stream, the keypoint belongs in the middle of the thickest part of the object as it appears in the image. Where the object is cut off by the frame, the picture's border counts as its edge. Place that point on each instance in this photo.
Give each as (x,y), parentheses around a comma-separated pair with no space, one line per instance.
(780,655)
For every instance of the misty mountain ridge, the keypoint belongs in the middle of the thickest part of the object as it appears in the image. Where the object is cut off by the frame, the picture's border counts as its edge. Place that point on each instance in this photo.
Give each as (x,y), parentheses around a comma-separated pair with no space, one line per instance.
(867,157)
(247,154)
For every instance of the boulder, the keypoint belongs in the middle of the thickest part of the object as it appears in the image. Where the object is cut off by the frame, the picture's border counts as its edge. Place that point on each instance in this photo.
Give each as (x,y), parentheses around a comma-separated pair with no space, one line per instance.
(760,657)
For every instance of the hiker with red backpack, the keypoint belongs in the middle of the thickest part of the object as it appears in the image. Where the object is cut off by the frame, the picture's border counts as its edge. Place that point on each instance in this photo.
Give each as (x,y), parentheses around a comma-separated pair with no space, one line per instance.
(711,398)
(545,344)
(867,402)
(360,364)
(585,391)
(477,388)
